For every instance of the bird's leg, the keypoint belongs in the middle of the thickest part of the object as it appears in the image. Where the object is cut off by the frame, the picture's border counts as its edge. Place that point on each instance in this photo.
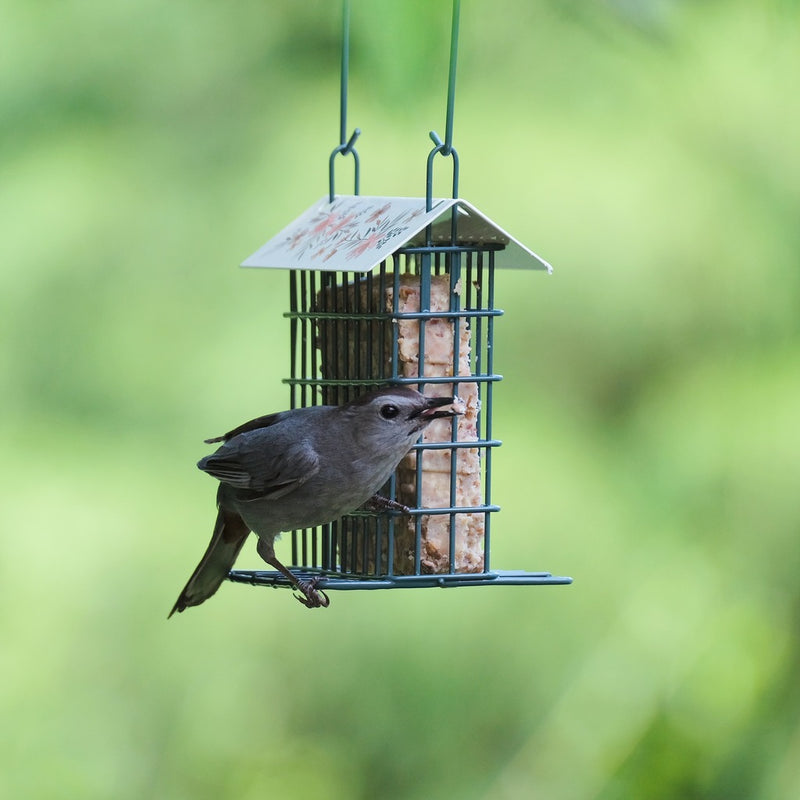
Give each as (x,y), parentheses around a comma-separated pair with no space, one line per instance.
(380,503)
(311,596)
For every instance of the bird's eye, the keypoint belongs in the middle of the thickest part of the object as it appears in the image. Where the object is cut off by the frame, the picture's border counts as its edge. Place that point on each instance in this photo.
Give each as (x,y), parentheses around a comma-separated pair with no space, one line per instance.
(389,411)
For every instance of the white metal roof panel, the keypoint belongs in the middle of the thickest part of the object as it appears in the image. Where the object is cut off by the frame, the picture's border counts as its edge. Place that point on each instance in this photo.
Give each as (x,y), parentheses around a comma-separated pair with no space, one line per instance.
(356,232)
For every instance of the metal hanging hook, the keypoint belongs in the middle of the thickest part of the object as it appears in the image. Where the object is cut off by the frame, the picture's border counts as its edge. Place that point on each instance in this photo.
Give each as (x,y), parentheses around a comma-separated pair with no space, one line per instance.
(344,149)
(345,145)
(446,147)
(440,148)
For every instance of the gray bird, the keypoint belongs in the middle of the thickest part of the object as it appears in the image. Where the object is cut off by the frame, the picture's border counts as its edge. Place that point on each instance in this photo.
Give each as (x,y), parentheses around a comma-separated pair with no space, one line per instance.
(303,468)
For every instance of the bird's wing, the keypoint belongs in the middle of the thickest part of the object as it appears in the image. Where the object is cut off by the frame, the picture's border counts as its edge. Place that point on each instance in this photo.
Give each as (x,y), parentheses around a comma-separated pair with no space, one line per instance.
(251,425)
(270,472)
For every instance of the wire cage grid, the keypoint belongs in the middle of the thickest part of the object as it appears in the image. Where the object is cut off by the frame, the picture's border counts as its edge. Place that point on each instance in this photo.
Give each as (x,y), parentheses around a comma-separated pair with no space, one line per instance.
(345,339)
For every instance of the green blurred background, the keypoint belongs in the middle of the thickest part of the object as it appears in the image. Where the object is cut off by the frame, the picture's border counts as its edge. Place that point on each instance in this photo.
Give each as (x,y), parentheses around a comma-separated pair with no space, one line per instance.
(650,412)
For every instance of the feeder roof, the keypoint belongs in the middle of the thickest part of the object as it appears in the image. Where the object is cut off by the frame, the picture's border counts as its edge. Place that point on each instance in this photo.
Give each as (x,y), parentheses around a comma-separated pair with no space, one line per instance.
(354,233)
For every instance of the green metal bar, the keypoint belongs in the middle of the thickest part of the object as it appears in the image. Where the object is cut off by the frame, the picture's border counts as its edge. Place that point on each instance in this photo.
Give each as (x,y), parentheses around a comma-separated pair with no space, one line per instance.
(343,346)
(345,145)
(446,147)
(327,581)
(335,382)
(465,445)
(451,81)
(429,175)
(345,71)
(454,269)
(328,557)
(424,307)
(421,512)
(394,376)
(293,338)
(303,336)
(487,533)
(453,248)
(313,294)
(385,315)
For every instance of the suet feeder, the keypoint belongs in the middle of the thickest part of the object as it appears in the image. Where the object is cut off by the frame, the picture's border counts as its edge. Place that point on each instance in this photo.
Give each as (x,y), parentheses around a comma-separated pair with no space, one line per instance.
(396,290)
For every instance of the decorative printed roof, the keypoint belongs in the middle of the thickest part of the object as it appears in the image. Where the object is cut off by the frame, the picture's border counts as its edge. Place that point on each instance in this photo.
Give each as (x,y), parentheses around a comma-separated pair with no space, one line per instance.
(355,233)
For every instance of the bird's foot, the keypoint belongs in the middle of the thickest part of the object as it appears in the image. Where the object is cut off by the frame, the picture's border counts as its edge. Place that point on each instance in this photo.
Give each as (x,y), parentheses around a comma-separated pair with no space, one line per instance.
(380,503)
(312,597)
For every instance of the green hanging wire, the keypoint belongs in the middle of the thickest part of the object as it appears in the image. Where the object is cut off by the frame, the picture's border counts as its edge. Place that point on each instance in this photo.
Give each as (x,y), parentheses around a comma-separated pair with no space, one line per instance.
(446,147)
(345,145)
(345,71)
(451,81)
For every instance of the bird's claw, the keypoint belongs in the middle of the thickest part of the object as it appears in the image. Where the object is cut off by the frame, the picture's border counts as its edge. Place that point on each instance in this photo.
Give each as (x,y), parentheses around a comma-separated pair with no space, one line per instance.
(312,597)
(378,504)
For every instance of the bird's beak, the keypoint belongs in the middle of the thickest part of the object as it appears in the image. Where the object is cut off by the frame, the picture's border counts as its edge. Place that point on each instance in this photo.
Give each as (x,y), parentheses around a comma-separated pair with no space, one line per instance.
(433,408)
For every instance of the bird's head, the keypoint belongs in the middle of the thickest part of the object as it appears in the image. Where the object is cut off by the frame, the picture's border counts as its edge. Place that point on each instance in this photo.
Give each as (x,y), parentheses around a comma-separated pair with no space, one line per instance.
(389,416)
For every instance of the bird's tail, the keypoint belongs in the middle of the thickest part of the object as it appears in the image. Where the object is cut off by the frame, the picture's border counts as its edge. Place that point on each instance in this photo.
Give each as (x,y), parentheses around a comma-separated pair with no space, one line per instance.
(229,535)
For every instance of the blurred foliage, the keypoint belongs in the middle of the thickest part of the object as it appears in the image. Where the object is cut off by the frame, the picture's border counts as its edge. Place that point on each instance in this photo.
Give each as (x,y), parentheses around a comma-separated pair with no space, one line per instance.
(650,408)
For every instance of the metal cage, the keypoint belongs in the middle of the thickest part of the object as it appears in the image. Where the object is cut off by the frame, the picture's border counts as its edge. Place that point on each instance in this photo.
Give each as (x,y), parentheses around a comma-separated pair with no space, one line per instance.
(352,331)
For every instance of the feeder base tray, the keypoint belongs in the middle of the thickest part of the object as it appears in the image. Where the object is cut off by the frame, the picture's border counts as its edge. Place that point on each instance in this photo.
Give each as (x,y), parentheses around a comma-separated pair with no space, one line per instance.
(327,581)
